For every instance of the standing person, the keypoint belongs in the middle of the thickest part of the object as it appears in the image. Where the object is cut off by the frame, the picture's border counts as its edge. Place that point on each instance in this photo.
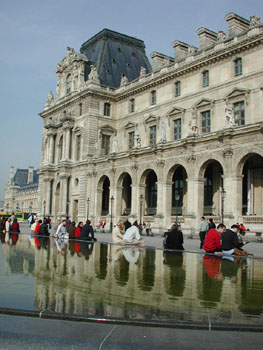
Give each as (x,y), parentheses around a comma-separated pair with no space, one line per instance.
(78,230)
(211,224)
(33,226)
(8,225)
(62,230)
(212,242)
(230,240)
(37,228)
(68,223)
(15,226)
(87,232)
(72,229)
(203,228)
(44,228)
(127,224)
(2,224)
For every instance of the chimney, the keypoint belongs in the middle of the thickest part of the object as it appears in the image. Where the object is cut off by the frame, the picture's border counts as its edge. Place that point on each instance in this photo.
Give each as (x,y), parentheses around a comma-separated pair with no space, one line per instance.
(236,24)
(207,37)
(11,173)
(180,50)
(159,61)
(30,175)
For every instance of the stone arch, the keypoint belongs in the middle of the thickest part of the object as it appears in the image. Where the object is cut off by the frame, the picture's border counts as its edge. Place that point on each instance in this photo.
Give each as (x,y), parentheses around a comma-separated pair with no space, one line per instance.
(103,191)
(243,157)
(176,190)
(149,181)
(124,193)
(204,162)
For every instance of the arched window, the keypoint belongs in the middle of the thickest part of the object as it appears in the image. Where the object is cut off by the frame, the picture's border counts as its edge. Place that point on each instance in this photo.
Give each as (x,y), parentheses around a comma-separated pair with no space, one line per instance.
(68,83)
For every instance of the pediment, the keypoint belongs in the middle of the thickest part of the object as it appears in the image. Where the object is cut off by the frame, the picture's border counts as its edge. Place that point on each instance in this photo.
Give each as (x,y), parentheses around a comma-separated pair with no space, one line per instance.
(176,110)
(236,92)
(203,102)
(107,129)
(129,125)
(150,119)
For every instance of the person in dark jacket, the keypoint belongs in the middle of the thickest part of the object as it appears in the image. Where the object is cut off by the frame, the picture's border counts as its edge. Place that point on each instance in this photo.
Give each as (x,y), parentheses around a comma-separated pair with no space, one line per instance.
(173,239)
(72,229)
(127,224)
(230,240)
(87,232)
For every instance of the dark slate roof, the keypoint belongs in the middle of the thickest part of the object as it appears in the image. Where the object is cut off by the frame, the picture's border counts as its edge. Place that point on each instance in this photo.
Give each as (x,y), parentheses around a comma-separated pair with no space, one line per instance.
(20,178)
(115,55)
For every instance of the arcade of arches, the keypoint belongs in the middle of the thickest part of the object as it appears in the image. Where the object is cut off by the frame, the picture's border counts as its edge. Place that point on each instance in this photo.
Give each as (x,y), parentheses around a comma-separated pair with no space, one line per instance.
(160,196)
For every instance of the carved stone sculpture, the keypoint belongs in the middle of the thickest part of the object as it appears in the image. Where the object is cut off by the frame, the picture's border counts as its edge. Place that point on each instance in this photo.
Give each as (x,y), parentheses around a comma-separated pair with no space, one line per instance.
(137,139)
(163,131)
(230,121)
(115,144)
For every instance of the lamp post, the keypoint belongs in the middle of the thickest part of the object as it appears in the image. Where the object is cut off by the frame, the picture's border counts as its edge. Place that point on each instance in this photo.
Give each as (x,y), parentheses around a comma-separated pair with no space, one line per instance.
(44,206)
(223,195)
(17,207)
(177,197)
(111,204)
(88,200)
(141,202)
(30,208)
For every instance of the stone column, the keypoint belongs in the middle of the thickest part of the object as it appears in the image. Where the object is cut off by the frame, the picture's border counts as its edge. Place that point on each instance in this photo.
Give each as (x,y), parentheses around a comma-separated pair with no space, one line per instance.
(167,203)
(135,192)
(160,188)
(63,195)
(67,143)
(51,149)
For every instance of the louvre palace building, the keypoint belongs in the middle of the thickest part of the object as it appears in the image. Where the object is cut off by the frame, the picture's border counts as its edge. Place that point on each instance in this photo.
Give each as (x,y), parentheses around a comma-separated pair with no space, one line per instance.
(172,140)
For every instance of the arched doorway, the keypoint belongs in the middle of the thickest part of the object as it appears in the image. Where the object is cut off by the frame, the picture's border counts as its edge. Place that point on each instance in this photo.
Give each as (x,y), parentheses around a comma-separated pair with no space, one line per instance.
(151,193)
(105,196)
(179,191)
(126,194)
(252,186)
(213,188)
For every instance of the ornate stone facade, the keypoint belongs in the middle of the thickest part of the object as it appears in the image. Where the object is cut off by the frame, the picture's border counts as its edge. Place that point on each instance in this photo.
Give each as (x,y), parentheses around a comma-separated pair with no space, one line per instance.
(21,192)
(179,140)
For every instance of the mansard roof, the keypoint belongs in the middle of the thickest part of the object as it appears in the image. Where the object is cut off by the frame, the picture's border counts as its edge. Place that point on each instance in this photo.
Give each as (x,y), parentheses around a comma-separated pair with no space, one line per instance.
(21,176)
(115,55)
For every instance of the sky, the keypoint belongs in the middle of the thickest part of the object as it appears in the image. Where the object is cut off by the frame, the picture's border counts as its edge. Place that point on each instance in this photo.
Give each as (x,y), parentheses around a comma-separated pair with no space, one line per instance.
(35,35)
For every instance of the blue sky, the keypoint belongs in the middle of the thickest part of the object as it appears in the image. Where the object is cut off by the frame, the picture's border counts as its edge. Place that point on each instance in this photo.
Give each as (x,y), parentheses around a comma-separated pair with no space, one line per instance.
(34,37)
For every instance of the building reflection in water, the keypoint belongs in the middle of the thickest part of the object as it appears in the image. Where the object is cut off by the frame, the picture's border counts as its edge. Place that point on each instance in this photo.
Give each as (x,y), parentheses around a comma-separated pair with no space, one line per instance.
(103,280)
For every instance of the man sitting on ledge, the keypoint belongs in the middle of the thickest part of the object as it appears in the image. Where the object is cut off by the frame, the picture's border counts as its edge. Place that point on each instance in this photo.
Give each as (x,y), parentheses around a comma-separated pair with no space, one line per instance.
(87,232)
(212,242)
(132,235)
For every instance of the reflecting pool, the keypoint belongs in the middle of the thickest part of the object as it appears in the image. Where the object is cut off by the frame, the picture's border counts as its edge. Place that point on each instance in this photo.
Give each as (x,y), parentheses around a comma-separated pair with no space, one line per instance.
(128,283)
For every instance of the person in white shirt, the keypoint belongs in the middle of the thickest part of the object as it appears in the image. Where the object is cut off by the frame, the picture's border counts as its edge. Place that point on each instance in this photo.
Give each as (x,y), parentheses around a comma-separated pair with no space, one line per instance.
(62,230)
(132,235)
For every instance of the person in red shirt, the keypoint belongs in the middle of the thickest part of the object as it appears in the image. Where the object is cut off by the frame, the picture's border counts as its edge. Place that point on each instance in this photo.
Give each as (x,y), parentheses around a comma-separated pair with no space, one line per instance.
(15,226)
(38,227)
(78,230)
(212,242)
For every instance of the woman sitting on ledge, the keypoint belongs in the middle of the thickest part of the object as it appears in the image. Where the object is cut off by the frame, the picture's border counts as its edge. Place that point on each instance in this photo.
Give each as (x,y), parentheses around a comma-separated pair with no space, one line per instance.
(117,237)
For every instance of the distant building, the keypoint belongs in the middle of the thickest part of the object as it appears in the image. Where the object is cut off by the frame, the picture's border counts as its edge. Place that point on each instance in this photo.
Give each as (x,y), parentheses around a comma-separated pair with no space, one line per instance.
(21,192)
(176,140)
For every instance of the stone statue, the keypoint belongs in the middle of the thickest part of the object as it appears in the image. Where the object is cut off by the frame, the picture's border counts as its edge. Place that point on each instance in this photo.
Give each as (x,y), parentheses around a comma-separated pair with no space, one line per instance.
(230,120)
(49,100)
(221,36)
(254,21)
(93,74)
(163,131)
(142,72)
(137,139)
(124,80)
(115,144)
(96,149)
(193,123)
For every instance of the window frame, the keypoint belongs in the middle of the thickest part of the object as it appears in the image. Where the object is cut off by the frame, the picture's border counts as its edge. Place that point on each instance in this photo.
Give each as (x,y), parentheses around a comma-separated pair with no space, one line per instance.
(241,111)
(153,97)
(238,66)
(207,128)
(153,140)
(107,148)
(132,105)
(107,109)
(205,78)
(178,126)
(177,85)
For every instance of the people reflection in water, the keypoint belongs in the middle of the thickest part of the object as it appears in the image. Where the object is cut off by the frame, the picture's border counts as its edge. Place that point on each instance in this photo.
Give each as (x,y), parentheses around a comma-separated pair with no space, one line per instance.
(211,281)
(101,265)
(86,249)
(146,277)
(131,254)
(121,266)
(175,285)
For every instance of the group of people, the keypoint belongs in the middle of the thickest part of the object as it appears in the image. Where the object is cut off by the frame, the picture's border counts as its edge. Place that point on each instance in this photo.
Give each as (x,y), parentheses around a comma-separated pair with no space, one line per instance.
(9,224)
(67,229)
(127,233)
(220,240)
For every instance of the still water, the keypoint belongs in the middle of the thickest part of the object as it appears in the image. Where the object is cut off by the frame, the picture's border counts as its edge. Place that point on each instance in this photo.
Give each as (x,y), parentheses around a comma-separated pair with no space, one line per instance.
(110,281)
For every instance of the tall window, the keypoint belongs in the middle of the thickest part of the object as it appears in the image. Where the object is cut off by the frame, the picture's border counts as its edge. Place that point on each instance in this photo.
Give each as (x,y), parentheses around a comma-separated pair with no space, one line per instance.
(206,122)
(153,97)
(107,109)
(205,78)
(131,140)
(105,145)
(177,88)
(239,113)
(153,135)
(132,105)
(80,109)
(177,129)
(68,83)
(238,66)
(78,143)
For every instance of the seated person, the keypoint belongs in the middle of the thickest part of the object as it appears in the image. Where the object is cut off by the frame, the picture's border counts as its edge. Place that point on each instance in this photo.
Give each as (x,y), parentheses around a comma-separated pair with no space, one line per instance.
(15,226)
(212,242)
(78,230)
(62,230)
(72,229)
(116,234)
(87,232)
(230,240)
(173,239)
(132,235)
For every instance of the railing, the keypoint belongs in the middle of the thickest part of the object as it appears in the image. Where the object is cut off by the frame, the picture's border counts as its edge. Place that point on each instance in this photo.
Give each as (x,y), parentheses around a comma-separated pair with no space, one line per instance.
(177,211)
(253,220)
(150,211)
(126,211)
(104,212)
